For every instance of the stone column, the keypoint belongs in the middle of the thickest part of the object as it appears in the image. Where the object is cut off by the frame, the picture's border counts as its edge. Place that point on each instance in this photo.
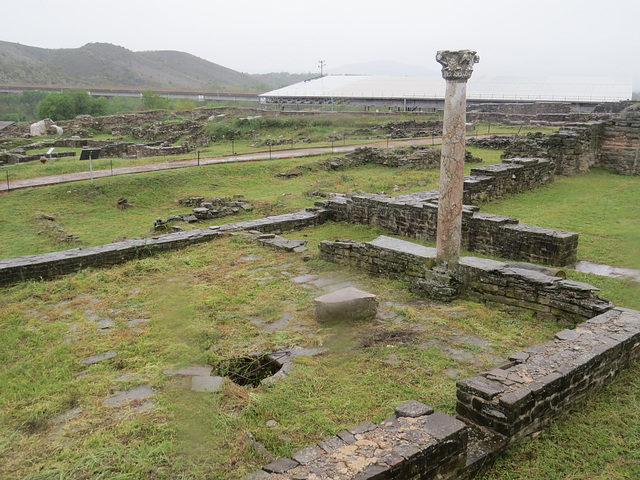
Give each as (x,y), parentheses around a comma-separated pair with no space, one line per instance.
(457,67)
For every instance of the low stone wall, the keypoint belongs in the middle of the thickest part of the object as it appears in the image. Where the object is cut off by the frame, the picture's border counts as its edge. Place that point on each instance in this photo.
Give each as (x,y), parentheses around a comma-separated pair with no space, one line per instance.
(613,144)
(496,408)
(141,151)
(48,265)
(513,175)
(428,446)
(544,380)
(527,288)
(416,215)
(513,287)
(15,158)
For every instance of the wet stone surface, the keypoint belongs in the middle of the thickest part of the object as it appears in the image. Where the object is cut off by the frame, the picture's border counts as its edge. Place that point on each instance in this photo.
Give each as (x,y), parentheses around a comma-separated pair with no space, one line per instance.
(141,392)
(98,358)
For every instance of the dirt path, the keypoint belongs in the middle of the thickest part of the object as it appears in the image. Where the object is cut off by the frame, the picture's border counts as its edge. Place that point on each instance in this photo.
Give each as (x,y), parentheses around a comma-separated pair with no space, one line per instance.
(246,157)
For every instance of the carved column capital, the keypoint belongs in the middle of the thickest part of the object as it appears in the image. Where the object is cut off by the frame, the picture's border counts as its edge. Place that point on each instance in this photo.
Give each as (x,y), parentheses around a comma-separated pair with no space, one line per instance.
(457,65)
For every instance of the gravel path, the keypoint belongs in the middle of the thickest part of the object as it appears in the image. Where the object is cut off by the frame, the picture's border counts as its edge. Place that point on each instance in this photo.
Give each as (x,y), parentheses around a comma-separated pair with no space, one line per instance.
(248,157)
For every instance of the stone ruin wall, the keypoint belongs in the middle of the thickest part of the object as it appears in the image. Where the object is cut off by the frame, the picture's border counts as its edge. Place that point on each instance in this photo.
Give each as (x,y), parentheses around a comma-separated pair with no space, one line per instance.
(415,215)
(495,409)
(620,144)
(545,113)
(613,145)
(510,286)
(49,265)
(521,397)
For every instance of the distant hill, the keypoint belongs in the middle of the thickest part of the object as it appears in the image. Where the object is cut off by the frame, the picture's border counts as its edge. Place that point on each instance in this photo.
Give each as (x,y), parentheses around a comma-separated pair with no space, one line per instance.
(107,65)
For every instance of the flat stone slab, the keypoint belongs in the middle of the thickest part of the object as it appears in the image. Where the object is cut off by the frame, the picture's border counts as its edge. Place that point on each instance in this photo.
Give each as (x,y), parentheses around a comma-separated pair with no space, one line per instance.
(98,358)
(284,244)
(280,466)
(141,392)
(206,383)
(348,303)
(403,246)
(413,409)
(279,324)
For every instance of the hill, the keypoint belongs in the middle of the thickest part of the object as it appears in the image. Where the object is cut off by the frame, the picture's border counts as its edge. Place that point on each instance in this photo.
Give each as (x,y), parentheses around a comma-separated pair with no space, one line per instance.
(104,64)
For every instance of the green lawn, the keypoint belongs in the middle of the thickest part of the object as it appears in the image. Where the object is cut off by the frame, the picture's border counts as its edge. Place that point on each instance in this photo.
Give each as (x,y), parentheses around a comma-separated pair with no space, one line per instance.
(602,207)
(210,302)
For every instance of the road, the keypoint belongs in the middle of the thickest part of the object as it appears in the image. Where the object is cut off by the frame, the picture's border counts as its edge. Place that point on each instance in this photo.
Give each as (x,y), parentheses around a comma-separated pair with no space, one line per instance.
(247,157)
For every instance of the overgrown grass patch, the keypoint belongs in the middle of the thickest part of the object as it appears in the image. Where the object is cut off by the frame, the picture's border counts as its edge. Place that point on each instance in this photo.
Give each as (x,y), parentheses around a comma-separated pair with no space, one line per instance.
(199,305)
(211,302)
(602,207)
(598,439)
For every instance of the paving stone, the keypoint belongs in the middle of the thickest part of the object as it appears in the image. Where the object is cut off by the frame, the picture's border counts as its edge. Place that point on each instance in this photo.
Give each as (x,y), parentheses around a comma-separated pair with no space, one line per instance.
(98,358)
(141,392)
(137,321)
(279,324)
(304,278)
(249,258)
(281,465)
(413,409)
(66,416)
(306,455)
(452,372)
(206,383)
(105,323)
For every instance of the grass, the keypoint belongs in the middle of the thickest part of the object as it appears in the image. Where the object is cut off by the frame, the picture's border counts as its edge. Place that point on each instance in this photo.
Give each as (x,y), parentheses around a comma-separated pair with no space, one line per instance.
(597,440)
(198,315)
(207,303)
(602,207)
(234,135)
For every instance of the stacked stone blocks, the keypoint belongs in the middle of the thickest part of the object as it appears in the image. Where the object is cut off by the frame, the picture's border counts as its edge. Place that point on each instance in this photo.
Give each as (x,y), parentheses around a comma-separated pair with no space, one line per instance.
(413,443)
(542,381)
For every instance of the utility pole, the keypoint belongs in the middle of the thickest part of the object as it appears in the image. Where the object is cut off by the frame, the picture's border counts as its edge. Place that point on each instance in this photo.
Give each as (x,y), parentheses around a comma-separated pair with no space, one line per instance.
(322,64)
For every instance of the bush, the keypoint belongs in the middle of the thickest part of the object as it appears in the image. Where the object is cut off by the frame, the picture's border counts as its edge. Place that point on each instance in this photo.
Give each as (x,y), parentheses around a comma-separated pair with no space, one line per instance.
(184,105)
(153,101)
(69,104)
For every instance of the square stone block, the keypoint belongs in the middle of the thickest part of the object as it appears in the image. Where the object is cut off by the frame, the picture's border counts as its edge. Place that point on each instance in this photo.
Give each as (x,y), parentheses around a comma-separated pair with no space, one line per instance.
(346,304)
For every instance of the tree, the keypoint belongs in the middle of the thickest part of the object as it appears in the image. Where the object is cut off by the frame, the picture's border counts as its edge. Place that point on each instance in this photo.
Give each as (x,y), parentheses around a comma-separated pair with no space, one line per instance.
(56,106)
(69,104)
(183,105)
(153,101)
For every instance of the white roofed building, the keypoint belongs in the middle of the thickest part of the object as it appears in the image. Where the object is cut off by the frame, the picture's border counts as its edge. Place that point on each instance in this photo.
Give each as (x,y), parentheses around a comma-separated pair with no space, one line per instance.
(411,93)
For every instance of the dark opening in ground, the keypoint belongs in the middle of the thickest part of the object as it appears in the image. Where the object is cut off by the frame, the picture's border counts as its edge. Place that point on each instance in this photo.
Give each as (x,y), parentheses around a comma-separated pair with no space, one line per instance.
(249,370)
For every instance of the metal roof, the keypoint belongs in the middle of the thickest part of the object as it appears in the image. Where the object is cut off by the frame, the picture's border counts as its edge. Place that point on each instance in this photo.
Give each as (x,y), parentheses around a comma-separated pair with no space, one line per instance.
(573,89)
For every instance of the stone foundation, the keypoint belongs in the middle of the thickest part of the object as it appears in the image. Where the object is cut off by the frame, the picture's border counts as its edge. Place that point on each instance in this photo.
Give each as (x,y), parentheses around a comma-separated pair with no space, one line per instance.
(416,215)
(496,409)
(48,265)
(544,380)
(519,287)
(428,446)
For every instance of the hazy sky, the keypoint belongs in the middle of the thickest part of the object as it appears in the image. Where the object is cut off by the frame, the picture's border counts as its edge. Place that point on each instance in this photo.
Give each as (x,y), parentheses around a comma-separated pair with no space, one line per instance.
(540,37)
